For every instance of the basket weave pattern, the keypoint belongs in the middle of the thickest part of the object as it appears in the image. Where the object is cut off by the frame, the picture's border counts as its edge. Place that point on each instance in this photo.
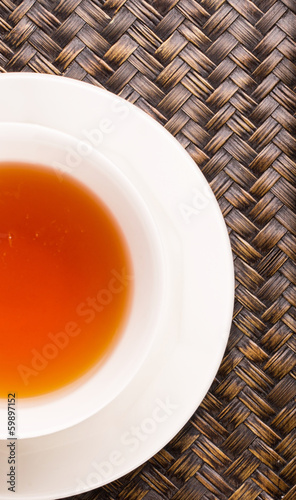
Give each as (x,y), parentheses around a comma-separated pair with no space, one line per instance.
(220,76)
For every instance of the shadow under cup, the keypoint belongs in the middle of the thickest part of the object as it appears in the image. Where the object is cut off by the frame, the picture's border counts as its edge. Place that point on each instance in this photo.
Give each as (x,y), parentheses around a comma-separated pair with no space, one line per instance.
(53,411)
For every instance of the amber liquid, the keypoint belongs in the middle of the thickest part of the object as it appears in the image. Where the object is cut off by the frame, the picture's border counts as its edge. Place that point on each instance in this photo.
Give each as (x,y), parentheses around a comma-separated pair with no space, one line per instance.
(65,280)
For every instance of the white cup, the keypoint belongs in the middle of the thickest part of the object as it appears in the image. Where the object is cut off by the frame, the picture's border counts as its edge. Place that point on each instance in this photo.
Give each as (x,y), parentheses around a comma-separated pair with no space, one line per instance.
(58,410)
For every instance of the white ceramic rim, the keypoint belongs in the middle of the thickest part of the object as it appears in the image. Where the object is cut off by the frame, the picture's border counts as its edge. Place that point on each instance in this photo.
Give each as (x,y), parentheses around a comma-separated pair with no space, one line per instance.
(100,449)
(61,409)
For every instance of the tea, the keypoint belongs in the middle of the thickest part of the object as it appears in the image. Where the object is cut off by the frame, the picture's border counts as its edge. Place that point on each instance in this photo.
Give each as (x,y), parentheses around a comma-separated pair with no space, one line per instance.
(66,280)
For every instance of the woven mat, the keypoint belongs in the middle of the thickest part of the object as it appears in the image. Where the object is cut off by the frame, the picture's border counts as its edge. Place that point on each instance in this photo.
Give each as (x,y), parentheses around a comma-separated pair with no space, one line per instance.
(219,75)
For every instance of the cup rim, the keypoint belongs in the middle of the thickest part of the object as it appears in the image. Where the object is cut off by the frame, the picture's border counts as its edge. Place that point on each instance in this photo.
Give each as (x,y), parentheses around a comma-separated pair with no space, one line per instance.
(70,405)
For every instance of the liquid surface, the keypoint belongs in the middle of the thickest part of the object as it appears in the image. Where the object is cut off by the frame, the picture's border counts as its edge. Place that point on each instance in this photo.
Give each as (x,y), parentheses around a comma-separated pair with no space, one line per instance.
(65,282)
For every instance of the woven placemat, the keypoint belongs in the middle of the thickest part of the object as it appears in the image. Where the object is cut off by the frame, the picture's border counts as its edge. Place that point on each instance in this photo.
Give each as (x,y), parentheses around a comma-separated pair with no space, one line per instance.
(220,76)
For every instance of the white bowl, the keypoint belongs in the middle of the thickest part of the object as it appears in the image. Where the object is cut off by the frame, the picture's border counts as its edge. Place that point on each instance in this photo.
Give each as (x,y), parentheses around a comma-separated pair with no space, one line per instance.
(55,411)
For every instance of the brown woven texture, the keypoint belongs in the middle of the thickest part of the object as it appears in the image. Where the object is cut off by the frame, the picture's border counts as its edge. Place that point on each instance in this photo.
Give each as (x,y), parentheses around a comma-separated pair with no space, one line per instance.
(220,76)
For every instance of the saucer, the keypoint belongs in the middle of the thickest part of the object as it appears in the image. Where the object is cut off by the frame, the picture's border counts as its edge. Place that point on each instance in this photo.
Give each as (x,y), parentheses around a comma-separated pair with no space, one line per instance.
(187,353)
